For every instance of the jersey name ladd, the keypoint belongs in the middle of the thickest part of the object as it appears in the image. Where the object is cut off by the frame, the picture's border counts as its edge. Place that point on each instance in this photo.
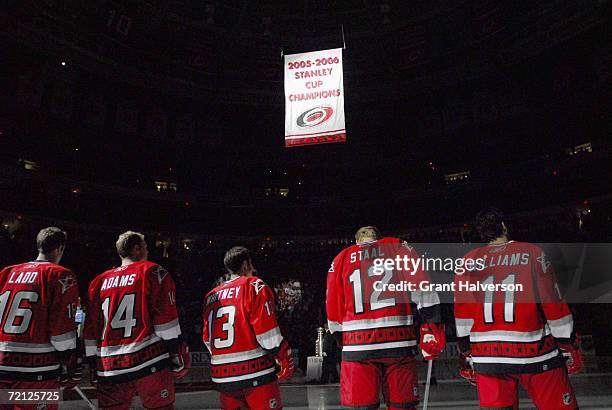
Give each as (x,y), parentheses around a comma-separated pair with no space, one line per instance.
(227,293)
(118,281)
(23,277)
(367,253)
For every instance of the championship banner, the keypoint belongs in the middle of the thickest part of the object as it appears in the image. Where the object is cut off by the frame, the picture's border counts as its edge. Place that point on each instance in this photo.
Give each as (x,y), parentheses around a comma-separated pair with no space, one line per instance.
(314,98)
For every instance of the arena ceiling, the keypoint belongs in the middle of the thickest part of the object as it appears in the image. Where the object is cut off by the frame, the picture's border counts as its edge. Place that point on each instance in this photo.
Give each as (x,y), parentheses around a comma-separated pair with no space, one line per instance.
(393,47)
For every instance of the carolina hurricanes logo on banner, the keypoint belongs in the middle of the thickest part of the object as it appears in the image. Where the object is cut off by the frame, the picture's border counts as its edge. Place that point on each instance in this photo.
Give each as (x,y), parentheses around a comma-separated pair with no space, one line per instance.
(314,116)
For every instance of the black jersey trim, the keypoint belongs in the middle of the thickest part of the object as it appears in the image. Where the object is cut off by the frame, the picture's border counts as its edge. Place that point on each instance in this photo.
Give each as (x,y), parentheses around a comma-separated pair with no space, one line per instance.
(246,384)
(531,368)
(356,356)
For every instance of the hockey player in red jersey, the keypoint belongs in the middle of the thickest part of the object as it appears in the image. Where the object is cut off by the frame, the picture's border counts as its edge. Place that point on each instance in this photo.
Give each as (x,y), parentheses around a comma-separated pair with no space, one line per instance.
(243,337)
(38,341)
(132,331)
(375,327)
(510,336)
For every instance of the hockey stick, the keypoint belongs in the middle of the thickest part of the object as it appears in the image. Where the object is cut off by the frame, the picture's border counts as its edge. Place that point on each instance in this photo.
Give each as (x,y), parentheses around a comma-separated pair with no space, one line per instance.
(427,383)
(89,403)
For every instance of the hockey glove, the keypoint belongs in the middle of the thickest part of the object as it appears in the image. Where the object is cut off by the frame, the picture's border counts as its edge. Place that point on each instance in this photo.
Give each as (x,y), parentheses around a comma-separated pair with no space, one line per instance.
(284,358)
(71,368)
(180,362)
(466,367)
(433,340)
(570,349)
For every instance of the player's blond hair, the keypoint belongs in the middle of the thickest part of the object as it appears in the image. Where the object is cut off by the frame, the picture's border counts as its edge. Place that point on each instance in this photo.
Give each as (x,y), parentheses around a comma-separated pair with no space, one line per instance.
(367,233)
(126,242)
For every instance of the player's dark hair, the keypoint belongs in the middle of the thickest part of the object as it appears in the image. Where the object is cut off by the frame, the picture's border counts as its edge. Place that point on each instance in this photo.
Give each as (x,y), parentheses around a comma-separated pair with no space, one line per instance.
(234,258)
(367,232)
(489,224)
(49,239)
(127,241)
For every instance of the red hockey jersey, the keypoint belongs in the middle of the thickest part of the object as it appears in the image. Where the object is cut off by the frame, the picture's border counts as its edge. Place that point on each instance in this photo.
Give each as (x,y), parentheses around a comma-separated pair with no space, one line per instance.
(240,331)
(38,301)
(131,311)
(512,329)
(375,323)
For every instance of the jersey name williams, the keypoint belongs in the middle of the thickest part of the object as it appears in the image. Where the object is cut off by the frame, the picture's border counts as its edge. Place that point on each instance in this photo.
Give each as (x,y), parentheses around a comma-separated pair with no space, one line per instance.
(507,260)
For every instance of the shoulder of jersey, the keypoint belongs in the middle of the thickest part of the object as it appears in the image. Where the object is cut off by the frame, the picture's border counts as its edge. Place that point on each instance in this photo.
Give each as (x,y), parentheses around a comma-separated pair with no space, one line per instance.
(254,279)
(149,265)
(154,270)
(44,269)
(526,245)
(257,283)
(341,254)
(53,267)
(474,252)
(144,265)
(226,283)
(11,267)
(396,243)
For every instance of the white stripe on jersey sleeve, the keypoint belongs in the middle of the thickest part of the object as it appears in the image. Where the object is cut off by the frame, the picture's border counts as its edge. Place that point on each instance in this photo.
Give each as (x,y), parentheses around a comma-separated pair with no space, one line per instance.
(63,342)
(515,360)
(245,377)
(237,357)
(377,346)
(334,326)
(509,336)
(91,347)
(271,339)
(170,330)
(361,324)
(562,328)
(116,372)
(425,299)
(463,326)
(29,369)
(106,351)
(26,347)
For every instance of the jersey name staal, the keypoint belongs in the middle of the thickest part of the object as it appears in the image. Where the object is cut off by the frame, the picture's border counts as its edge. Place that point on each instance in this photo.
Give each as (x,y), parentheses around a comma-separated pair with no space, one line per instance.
(367,253)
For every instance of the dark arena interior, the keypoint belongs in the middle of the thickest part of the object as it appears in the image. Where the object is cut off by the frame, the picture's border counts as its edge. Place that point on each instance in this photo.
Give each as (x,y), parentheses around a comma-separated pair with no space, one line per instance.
(166,117)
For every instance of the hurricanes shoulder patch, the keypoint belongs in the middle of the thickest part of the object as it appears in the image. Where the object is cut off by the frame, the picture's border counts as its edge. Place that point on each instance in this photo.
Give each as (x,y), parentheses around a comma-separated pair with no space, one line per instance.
(405,245)
(66,282)
(543,259)
(160,273)
(258,285)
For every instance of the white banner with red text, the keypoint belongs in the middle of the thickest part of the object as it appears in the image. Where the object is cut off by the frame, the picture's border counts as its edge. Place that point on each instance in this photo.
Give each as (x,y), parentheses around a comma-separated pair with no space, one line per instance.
(314,98)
